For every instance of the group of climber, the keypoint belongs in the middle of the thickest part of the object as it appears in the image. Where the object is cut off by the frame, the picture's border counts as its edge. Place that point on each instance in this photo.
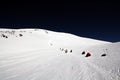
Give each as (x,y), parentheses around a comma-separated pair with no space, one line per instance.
(88,54)
(66,50)
(5,36)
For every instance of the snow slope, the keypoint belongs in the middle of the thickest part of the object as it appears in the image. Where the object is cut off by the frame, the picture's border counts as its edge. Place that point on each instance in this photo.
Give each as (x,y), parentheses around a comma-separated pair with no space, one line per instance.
(38,54)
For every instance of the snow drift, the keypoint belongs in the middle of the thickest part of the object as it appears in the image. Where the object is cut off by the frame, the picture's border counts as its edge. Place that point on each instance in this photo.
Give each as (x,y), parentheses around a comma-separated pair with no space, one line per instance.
(38,54)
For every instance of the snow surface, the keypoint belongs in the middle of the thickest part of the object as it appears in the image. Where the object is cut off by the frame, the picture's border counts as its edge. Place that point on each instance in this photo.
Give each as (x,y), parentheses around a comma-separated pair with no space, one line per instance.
(46,55)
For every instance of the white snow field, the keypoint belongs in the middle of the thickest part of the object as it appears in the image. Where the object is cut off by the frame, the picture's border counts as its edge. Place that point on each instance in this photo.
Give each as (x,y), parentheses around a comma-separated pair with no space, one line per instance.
(38,54)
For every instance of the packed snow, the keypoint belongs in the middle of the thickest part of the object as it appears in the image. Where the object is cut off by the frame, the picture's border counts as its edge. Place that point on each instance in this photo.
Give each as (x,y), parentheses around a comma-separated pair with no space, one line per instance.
(38,54)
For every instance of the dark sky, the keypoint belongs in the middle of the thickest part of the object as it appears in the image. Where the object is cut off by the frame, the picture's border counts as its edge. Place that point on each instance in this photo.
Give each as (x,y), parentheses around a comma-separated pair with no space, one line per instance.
(97,19)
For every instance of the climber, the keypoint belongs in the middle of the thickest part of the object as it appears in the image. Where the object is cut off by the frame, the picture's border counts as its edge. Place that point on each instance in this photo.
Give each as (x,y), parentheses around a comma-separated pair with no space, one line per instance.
(66,51)
(88,54)
(103,55)
(83,52)
(70,51)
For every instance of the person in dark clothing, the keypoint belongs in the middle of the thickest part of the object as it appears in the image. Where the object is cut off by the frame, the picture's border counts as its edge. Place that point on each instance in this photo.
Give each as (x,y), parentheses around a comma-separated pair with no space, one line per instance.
(70,51)
(4,36)
(88,54)
(20,35)
(103,55)
(83,52)
(66,51)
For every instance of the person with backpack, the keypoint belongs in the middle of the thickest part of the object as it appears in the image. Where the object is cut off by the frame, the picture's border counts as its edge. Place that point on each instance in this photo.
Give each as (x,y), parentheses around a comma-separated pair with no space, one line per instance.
(88,54)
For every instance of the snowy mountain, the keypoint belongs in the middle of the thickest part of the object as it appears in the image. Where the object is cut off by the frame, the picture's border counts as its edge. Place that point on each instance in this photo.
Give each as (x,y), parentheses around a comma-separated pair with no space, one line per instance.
(38,54)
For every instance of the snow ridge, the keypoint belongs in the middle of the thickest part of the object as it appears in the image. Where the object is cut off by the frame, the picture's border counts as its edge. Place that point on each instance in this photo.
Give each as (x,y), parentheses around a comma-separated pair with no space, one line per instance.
(38,54)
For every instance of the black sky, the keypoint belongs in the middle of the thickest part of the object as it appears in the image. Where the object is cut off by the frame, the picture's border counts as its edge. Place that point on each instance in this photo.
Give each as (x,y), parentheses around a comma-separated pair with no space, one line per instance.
(97,19)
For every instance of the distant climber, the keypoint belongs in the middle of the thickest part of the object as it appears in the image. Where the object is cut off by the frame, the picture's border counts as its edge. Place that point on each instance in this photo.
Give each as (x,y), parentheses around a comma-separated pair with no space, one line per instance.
(66,51)
(70,51)
(83,52)
(4,36)
(103,55)
(88,54)
(46,31)
(61,49)
(20,35)
(51,44)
